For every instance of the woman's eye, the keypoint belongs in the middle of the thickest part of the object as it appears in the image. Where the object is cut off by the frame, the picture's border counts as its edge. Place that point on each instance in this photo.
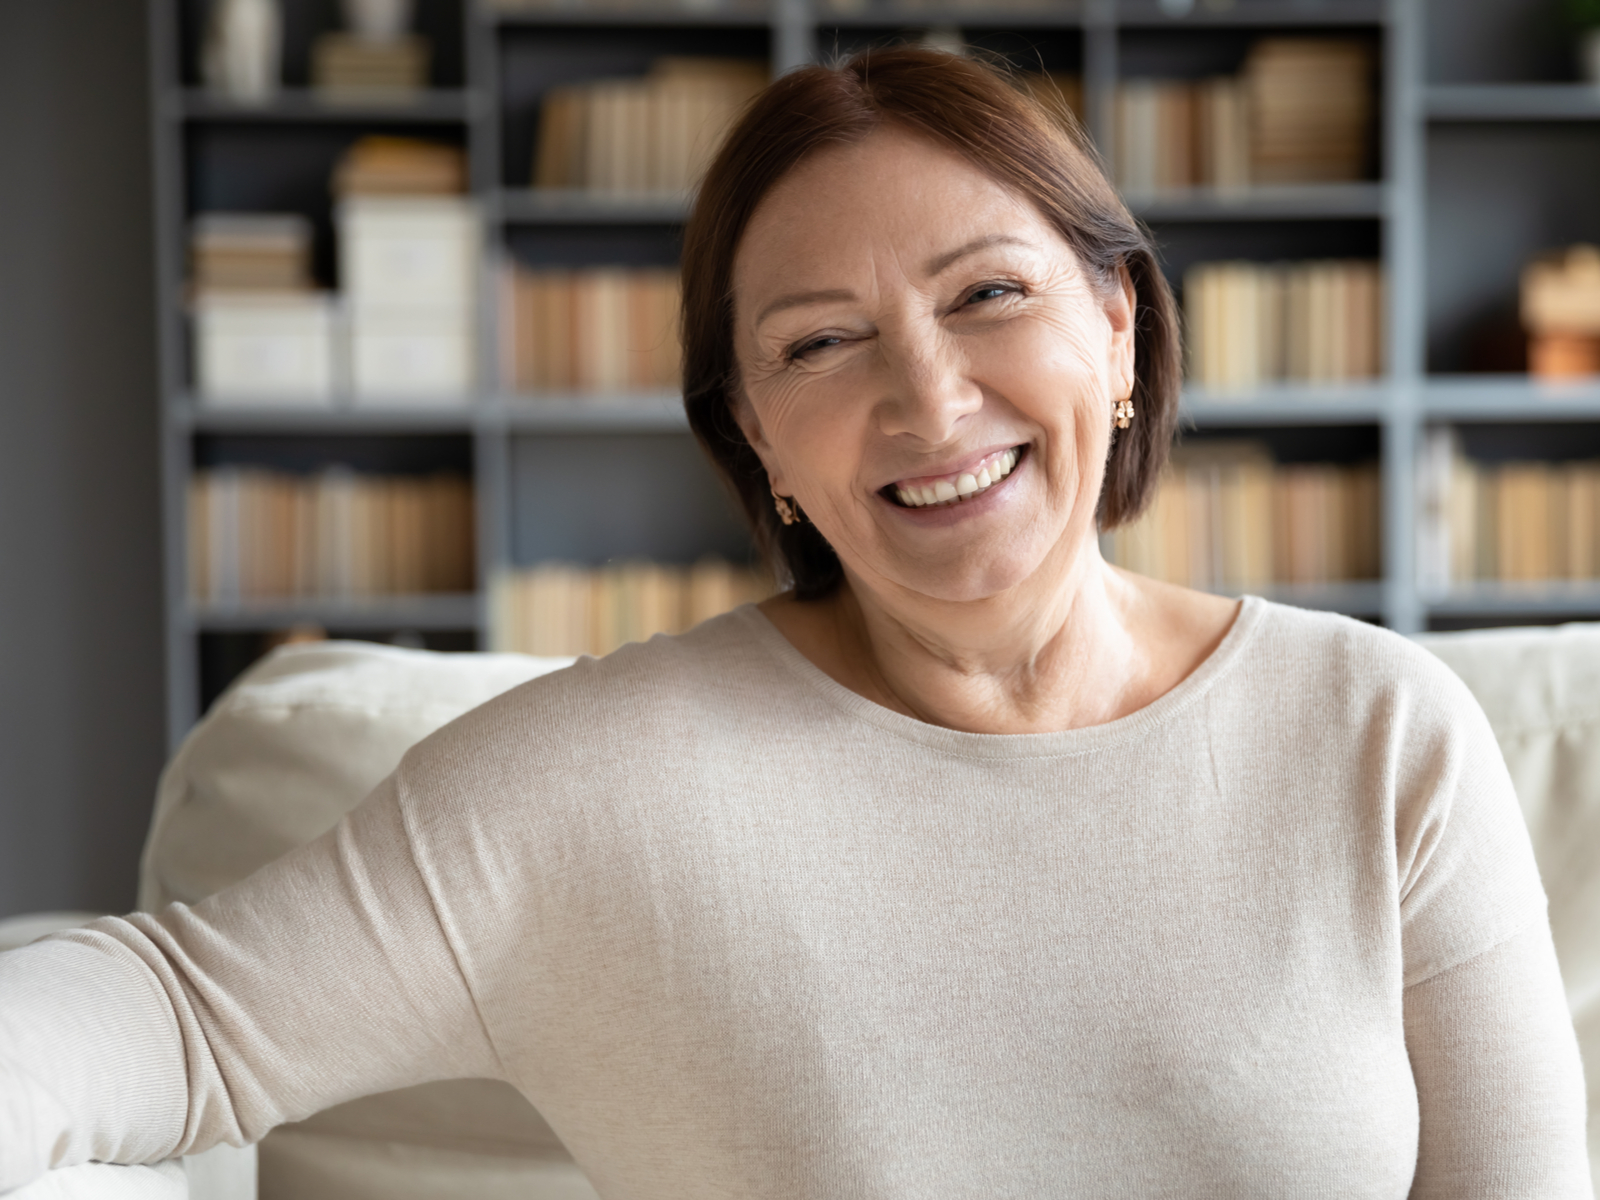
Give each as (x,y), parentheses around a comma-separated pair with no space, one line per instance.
(805,348)
(988,291)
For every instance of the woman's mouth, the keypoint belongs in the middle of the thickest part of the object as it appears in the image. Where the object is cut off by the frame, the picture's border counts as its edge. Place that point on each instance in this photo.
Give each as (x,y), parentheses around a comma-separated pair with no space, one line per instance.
(928,491)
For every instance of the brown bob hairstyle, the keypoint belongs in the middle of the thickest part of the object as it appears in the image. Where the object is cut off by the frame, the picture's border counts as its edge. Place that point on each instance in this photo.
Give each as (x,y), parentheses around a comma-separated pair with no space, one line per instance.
(980,114)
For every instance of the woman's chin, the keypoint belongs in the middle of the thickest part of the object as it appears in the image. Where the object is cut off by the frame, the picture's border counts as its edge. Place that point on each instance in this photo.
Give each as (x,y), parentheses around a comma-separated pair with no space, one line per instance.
(966,583)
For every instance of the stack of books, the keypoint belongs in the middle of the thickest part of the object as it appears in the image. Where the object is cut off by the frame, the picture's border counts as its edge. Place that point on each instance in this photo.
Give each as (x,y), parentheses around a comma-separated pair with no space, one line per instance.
(1253,323)
(557,608)
(1179,134)
(1311,109)
(260,534)
(597,330)
(1227,518)
(654,134)
(1300,111)
(346,67)
(392,166)
(250,252)
(1561,313)
(408,253)
(1513,522)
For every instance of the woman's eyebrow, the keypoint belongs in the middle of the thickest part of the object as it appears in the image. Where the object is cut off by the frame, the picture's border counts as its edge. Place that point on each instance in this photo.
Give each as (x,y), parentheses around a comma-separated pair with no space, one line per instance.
(934,266)
(943,262)
(798,299)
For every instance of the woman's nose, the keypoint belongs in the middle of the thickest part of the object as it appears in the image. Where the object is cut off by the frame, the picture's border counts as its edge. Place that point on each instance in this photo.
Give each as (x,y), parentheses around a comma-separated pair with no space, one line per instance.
(927,386)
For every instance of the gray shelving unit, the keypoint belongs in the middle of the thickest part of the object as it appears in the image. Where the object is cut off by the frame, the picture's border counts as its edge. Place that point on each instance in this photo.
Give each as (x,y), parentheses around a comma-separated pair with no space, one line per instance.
(1480,124)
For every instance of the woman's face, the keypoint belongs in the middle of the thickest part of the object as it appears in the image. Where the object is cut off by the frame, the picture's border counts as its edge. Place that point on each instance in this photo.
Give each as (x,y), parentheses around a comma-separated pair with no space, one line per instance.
(926,368)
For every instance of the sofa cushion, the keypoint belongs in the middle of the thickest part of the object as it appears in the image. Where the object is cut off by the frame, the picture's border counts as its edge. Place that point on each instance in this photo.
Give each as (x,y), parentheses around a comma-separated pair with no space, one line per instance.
(291,747)
(1541,691)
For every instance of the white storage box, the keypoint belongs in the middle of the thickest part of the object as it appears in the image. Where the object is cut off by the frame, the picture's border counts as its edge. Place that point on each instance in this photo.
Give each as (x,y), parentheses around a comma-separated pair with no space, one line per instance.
(265,348)
(409,252)
(411,356)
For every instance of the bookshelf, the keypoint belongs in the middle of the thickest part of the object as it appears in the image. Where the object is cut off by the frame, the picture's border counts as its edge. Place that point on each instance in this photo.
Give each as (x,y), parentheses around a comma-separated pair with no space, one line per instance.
(1485,151)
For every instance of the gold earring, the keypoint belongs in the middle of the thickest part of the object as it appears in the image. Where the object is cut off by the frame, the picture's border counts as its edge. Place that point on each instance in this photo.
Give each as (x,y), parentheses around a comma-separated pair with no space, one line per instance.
(787,513)
(1123,417)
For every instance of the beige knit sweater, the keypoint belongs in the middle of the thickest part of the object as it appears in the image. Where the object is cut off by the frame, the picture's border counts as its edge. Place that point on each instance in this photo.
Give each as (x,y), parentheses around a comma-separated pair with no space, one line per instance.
(738,932)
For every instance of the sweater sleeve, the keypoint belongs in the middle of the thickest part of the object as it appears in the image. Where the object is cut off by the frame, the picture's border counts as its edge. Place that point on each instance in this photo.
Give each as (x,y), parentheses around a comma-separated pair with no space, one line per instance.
(323,977)
(1499,1081)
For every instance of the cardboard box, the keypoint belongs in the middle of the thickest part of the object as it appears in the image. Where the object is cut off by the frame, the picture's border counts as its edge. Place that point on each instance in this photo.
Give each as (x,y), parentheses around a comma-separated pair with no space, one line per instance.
(402,356)
(265,348)
(409,252)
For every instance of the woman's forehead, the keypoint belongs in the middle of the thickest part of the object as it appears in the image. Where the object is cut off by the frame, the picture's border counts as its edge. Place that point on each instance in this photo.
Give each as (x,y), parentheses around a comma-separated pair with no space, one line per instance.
(892,197)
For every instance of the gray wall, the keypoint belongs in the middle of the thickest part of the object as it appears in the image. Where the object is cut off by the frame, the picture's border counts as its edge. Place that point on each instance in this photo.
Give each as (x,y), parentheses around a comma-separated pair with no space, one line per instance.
(80,618)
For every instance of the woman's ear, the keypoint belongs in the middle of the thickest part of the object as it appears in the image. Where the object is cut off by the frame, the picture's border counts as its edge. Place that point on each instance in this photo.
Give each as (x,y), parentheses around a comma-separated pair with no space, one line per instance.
(744,414)
(1121,307)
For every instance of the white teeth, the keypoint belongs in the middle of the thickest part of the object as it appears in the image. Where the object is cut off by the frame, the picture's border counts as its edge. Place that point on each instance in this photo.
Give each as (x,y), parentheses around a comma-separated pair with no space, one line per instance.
(942,491)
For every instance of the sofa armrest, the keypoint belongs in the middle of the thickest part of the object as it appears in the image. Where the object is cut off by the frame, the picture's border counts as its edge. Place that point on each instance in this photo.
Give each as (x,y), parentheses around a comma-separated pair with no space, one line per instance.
(103,1181)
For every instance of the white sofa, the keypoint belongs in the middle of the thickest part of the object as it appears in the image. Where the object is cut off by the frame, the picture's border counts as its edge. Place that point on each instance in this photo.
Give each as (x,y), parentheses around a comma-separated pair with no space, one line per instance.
(303,735)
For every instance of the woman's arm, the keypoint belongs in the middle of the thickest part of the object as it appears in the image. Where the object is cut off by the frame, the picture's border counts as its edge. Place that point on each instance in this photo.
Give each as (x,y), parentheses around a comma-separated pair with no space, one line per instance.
(323,977)
(1499,1080)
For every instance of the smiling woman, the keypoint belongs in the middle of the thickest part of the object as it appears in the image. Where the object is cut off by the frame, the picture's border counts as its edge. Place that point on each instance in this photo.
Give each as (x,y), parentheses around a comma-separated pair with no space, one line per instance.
(971,866)
(992,134)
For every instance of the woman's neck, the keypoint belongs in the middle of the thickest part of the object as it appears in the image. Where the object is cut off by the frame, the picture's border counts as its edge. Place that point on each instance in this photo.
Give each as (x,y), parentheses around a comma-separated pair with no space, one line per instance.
(1094,646)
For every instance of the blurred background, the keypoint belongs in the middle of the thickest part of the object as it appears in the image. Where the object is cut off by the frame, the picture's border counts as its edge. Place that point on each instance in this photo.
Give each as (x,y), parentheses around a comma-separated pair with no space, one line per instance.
(357,318)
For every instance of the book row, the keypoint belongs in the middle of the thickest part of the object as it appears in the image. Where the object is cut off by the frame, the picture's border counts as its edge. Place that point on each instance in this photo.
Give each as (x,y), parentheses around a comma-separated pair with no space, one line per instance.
(1512,522)
(263,534)
(559,608)
(650,134)
(1252,323)
(1300,111)
(598,330)
(1227,518)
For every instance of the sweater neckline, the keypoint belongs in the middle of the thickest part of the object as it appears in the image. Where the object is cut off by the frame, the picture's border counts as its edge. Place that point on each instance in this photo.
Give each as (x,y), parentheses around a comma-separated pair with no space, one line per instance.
(1140,723)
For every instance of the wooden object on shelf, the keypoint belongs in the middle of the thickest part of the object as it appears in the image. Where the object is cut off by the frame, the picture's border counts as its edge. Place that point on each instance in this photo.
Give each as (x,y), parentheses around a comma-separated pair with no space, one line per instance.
(348,67)
(1311,109)
(1560,306)
(1563,355)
